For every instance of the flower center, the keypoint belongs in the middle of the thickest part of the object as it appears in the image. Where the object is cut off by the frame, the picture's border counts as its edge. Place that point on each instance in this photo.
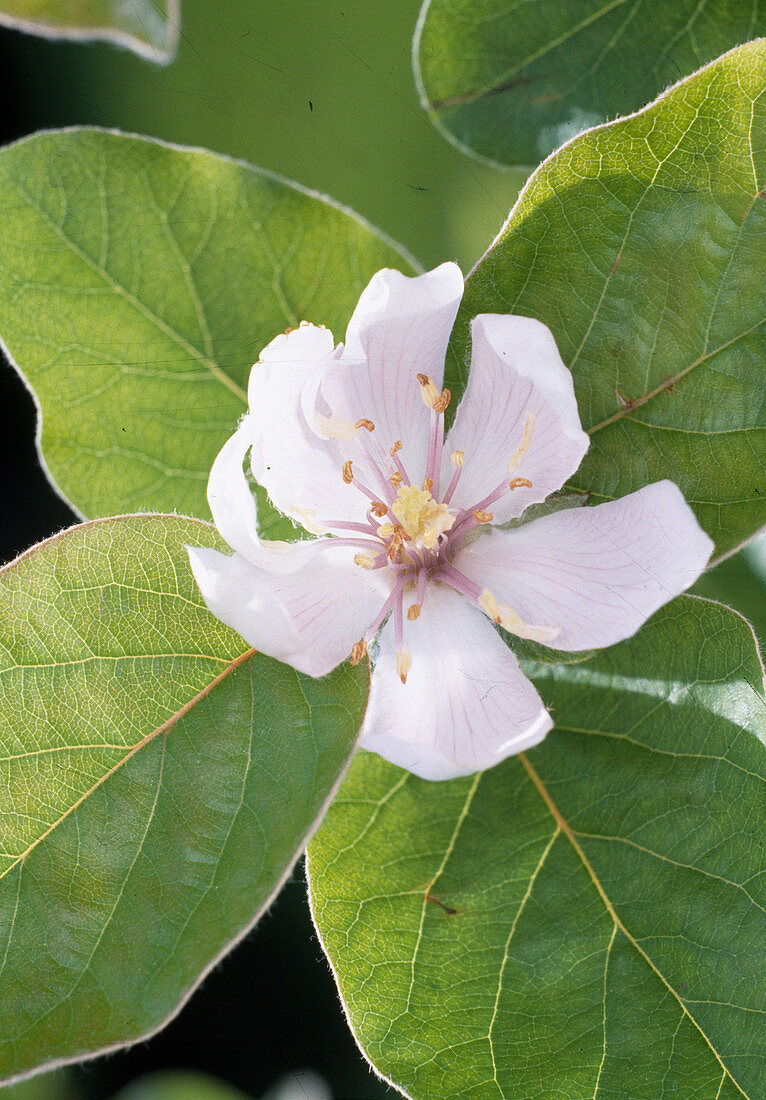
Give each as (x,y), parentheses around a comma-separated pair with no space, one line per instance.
(423,519)
(413,534)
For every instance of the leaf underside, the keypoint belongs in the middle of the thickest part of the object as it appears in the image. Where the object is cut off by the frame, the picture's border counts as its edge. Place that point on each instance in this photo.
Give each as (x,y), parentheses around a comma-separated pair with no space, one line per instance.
(586,920)
(148,27)
(157,782)
(512,81)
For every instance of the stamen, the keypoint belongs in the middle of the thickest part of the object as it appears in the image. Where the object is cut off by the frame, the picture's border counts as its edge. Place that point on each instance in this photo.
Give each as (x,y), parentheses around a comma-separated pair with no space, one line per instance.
(511,621)
(428,391)
(457,580)
(428,484)
(396,479)
(413,612)
(519,483)
(378,508)
(523,447)
(365,423)
(386,530)
(396,447)
(403,663)
(358,651)
(483,517)
(441,403)
(366,561)
(394,595)
(422,578)
(457,459)
(348,477)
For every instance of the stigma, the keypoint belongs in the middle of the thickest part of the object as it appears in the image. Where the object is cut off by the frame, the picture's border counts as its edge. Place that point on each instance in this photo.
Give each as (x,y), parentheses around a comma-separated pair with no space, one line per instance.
(423,519)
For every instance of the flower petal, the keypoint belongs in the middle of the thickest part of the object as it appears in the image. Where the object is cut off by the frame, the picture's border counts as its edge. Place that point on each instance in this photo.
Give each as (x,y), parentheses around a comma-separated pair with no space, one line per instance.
(517,380)
(466,704)
(595,573)
(229,495)
(300,471)
(305,603)
(233,590)
(400,328)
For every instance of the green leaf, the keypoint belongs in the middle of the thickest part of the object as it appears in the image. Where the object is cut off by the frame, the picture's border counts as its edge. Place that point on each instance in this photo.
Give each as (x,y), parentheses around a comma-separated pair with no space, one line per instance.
(587,920)
(158,783)
(511,82)
(148,27)
(138,285)
(641,245)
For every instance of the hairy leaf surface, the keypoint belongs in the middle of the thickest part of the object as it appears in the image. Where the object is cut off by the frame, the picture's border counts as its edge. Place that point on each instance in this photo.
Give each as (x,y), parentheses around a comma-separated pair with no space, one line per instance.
(148,27)
(585,920)
(157,782)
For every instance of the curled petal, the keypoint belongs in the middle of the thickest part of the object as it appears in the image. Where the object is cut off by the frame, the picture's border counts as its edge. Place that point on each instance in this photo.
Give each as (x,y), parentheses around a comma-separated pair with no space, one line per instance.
(233,589)
(399,329)
(518,417)
(465,704)
(230,497)
(596,574)
(305,603)
(300,470)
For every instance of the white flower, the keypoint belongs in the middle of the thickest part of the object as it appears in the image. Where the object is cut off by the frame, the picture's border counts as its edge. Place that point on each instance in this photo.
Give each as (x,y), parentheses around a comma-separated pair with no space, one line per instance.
(349,442)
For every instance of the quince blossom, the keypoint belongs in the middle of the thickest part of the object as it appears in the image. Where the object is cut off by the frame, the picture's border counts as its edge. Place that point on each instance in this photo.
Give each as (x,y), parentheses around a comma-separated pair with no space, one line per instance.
(413,556)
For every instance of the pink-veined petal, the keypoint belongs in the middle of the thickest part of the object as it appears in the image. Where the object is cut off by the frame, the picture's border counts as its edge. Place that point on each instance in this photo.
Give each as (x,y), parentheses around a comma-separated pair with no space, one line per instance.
(596,574)
(519,395)
(300,470)
(465,706)
(306,603)
(229,494)
(399,329)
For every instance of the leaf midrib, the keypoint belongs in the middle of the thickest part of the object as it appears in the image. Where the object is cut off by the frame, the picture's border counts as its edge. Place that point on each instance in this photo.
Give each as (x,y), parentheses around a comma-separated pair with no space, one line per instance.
(564,826)
(147,739)
(141,307)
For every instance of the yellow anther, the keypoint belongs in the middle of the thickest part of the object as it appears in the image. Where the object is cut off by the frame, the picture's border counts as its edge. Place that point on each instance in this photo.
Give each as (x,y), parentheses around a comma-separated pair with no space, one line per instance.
(413,612)
(357,652)
(457,458)
(519,483)
(366,561)
(396,447)
(440,405)
(378,508)
(523,447)
(428,391)
(385,531)
(348,477)
(428,484)
(483,517)
(511,621)
(403,663)
(396,479)
(422,518)
(365,423)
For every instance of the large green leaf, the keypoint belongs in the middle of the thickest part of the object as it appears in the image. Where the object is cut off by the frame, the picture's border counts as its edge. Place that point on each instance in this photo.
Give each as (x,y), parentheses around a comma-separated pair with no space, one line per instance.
(148,27)
(512,81)
(641,245)
(158,781)
(138,284)
(587,920)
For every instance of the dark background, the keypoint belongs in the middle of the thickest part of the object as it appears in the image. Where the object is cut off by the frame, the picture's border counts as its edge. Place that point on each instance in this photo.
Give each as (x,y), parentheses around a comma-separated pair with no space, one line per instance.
(322,93)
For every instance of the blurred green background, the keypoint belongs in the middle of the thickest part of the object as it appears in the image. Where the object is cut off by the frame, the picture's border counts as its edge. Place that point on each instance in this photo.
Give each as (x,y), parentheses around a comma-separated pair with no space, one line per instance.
(323,94)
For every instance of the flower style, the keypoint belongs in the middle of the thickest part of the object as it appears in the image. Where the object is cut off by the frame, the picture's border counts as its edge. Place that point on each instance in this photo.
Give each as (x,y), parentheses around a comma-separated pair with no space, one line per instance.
(414,556)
